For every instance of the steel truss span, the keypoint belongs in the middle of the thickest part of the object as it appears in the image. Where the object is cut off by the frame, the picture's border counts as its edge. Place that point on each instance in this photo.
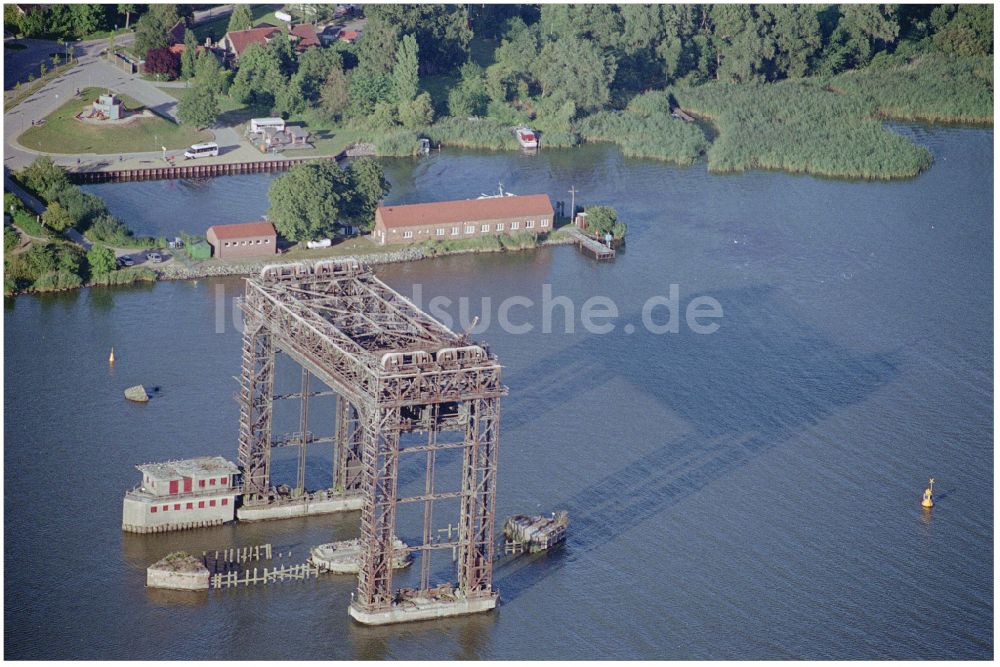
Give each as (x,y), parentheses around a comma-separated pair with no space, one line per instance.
(395,371)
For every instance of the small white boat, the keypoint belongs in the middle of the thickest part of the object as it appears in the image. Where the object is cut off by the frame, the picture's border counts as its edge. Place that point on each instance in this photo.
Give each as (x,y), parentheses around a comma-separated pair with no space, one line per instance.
(526,137)
(499,193)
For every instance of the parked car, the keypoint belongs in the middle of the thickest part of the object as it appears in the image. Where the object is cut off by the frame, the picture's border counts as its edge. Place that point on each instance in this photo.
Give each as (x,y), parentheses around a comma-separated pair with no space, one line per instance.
(154,257)
(126,260)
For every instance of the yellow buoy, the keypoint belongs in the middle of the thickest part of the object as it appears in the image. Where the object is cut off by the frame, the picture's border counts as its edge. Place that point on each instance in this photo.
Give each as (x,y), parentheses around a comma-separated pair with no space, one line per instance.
(928,501)
(111,357)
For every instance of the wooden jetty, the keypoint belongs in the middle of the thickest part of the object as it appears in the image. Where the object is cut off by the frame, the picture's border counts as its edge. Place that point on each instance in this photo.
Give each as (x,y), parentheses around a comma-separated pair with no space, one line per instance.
(193,170)
(592,245)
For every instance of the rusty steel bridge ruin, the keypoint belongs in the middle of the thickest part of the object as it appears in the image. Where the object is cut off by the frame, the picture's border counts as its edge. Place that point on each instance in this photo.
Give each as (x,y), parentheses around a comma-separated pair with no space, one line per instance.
(405,386)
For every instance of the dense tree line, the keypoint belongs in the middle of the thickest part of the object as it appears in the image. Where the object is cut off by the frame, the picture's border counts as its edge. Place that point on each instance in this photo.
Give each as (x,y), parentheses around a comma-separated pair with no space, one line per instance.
(56,264)
(318,199)
(558,64)
(575,71)
(68,22)
(69,206)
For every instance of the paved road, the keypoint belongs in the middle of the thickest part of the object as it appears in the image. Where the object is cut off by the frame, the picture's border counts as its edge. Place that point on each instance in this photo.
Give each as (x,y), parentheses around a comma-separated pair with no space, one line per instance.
(210,14)
(19,65)
(10,186)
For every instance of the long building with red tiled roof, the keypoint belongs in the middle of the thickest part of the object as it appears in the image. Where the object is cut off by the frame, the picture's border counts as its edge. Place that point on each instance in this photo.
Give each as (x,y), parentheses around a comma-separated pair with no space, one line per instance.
(237,41)
(462,219)
(247,239)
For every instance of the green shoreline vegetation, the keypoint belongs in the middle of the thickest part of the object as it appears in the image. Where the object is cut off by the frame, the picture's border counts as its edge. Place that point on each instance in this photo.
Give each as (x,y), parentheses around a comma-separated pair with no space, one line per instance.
(311,200)
(50,262)
(803,88)
(800,127)
(957,89)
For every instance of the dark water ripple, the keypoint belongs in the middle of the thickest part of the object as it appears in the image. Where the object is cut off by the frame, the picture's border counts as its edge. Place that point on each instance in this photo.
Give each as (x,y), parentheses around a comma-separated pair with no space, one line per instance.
(747,494)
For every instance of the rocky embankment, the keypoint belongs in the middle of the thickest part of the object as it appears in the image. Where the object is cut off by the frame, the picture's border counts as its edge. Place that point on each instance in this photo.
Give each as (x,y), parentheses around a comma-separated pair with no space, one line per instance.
(206,269)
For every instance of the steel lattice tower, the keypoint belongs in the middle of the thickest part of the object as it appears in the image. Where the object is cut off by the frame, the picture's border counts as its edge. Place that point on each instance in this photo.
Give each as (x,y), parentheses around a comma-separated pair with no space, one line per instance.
(395,371)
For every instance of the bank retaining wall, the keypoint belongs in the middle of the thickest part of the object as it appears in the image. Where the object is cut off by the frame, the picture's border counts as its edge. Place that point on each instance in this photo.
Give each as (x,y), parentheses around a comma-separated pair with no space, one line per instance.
(193,170)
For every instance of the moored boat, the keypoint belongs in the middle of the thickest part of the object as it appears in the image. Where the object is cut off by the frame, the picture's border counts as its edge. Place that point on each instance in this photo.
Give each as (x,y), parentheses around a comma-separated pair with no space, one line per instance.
(526,137)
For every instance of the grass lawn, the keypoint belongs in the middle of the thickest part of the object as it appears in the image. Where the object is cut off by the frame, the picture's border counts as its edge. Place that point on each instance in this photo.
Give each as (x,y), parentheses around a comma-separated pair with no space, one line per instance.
(62,133)
(357,245)
(28,222)
(328,139)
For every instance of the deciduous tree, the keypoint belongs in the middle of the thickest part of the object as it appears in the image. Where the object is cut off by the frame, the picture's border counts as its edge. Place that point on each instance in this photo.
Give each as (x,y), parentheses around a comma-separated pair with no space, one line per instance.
(334,93)
(572,69)
(969,32)
(200,107)
(43,176)
(442,33)
(208,71)
(602,220)
(418,112)
(163,61)
(259,79)
(240,19)
(469,97)
(57,218)
(308,201)
(189,59)
(369,188)
(405,77)
(151,29)
(797,39)
(127,10)
(101,260)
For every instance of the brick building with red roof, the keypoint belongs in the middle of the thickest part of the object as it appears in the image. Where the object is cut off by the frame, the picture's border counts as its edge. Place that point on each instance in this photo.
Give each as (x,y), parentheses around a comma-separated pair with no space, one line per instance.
(248,239)
(236,42)
(463,219)
(349,36)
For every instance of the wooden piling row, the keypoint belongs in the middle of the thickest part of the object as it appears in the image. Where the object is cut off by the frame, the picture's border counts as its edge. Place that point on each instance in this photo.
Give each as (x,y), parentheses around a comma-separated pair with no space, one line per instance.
(242,554)
(231,558)
(300,572)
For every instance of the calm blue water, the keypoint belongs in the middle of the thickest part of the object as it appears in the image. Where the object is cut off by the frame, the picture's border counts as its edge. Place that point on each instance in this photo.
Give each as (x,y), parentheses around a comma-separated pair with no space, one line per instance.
(753,493)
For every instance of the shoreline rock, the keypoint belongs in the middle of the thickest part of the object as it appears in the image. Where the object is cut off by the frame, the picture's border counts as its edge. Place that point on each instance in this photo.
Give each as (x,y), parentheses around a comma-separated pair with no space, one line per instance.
(137,394)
